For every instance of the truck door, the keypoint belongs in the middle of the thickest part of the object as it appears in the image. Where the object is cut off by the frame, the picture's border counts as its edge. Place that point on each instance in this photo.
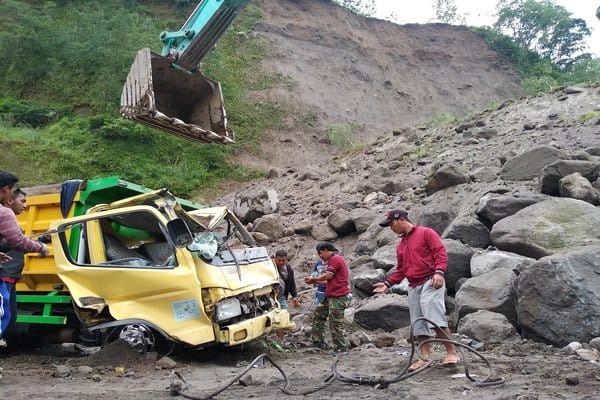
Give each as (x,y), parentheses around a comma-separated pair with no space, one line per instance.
(124,265)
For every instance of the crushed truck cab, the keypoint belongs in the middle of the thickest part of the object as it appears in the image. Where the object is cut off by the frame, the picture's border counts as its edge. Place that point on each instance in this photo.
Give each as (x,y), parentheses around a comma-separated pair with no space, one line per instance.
(124,266)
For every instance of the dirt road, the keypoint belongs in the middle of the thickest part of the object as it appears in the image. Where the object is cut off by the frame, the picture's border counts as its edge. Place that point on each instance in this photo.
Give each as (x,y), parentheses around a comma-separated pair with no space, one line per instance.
(531,370)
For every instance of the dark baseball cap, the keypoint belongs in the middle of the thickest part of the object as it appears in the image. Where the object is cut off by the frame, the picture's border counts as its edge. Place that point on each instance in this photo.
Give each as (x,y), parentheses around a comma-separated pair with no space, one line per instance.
(392,215)
(326,246)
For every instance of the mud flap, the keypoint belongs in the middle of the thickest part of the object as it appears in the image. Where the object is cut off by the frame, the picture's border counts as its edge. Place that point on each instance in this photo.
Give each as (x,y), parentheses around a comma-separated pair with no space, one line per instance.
(173,100)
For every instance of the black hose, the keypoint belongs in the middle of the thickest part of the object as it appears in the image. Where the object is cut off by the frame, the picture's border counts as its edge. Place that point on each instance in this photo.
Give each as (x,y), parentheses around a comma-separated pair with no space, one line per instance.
(179,384)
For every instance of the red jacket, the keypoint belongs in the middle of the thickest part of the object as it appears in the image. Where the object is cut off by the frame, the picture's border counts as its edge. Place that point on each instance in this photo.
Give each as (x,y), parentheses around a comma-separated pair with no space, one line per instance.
(419,254)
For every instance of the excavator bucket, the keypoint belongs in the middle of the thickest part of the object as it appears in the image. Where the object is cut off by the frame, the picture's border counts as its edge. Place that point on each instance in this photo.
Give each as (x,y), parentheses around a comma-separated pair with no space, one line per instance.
(165,97)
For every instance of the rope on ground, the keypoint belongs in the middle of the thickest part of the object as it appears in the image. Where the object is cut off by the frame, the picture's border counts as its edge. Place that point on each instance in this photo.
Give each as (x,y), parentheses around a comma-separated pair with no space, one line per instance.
(179,385)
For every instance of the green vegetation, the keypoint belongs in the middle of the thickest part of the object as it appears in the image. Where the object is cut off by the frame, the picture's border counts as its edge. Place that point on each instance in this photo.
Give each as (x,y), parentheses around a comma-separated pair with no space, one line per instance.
(540,75)
(423,150)
(343,136)
(91,147)
(589,116)
(545,44)
(440,120)
(62,66)
(545,28)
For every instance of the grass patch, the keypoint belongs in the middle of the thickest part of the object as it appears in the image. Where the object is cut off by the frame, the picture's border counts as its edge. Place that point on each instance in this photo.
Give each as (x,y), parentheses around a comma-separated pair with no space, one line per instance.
(589,116)
(440,120)
(92,147)
(423,150)
(342,136)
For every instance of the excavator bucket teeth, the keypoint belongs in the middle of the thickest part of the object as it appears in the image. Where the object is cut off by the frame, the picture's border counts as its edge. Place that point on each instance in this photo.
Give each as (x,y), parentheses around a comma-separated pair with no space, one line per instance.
(165,97)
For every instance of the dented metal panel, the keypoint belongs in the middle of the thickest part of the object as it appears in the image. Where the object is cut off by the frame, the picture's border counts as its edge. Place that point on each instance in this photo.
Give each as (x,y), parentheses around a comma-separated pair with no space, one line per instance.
(170,99)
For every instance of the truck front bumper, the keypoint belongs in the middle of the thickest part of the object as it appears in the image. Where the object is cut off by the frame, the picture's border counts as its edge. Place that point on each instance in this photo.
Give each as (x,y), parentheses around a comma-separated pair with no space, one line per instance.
(253,328)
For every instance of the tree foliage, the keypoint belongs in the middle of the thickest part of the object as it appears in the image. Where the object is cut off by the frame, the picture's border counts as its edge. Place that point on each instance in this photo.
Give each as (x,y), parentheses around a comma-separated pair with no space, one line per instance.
(360,7)
(446,11)
(539,74)
(544,27)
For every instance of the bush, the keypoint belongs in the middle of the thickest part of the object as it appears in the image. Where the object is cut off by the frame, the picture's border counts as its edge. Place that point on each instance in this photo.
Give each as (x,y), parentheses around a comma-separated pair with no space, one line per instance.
(20,112)
(540,75)
(343,136)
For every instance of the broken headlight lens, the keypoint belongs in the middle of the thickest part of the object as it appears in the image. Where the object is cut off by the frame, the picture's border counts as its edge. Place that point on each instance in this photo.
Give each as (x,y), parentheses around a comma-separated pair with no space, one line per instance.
(227,309)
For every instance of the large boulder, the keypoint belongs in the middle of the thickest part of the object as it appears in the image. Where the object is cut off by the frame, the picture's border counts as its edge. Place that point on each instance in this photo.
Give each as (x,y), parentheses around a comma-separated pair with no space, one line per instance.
(388,312)
(341,221)
(486,326)
(363,281)
(437,217)
(528,165)
(493,206)
(254,203)
(385,257)
(577,187)
(459,262)
(323,233)
(553,173)
(496,259)
(363,218)
(559,297)
(493,291)
(444,177)
(270,225)
(468,230)
(386,236)
(368,241)
(548,227)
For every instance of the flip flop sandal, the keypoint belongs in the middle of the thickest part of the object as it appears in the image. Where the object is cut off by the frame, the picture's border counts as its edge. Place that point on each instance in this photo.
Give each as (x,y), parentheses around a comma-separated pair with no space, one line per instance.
(413,369)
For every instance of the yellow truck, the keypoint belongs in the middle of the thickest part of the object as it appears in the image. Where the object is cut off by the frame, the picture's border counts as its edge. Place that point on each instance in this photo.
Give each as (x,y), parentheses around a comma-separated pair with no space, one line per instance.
(146,267)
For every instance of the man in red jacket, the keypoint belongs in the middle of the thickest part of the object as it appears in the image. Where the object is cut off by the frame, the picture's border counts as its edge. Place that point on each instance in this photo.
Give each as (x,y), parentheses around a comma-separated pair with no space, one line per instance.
(422,259)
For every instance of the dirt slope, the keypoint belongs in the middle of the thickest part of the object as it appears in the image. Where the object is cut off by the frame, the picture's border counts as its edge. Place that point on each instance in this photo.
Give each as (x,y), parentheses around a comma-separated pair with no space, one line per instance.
(373,73)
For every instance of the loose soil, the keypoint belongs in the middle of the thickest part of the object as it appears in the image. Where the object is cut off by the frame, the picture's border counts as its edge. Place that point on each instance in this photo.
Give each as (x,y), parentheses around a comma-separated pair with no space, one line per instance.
(531,371)
(370,74)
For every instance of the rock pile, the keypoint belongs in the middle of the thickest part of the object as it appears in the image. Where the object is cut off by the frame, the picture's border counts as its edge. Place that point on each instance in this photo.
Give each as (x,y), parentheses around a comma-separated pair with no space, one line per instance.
(513,192)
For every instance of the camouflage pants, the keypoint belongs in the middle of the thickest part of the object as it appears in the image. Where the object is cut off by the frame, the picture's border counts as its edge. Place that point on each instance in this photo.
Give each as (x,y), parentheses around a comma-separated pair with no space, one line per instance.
(331,308)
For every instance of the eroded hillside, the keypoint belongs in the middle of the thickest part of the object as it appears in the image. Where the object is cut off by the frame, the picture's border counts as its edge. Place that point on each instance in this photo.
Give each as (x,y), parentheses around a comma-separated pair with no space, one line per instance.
(367,77)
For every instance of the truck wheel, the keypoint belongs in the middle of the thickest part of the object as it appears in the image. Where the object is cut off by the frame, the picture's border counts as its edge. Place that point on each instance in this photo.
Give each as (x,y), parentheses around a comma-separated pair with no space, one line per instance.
(139,337)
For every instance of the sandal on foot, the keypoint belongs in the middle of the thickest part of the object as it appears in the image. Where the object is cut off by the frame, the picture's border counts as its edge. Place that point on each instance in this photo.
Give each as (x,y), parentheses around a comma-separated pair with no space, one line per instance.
(451,364)
(417,365)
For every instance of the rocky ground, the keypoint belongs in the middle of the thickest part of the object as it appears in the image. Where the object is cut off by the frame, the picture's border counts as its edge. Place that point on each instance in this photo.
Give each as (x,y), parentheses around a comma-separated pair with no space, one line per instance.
(531,371)
(513,191)
(505,178)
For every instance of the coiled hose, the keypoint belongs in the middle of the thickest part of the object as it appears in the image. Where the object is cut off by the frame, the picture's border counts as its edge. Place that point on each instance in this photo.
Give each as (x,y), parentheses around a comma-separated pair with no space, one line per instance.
(179,385)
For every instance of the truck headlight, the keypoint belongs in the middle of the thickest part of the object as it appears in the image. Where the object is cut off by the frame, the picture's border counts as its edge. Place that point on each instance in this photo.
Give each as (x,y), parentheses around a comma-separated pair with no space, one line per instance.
(227,309)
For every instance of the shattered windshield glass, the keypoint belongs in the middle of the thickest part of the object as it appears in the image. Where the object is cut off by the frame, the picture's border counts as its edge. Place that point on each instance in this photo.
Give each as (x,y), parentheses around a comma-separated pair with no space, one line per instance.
(227,243)
(206,244)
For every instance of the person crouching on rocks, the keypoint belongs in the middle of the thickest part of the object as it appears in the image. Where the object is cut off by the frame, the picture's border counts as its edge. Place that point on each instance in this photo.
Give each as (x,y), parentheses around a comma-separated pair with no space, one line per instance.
(336,299)
(422,259)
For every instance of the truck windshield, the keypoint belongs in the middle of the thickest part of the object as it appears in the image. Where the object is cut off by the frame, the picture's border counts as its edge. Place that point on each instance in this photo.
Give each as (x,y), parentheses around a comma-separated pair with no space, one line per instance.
(227,243)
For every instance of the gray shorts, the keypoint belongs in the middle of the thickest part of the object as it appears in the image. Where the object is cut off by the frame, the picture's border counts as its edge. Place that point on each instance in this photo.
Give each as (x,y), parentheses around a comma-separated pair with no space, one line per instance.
(425,301)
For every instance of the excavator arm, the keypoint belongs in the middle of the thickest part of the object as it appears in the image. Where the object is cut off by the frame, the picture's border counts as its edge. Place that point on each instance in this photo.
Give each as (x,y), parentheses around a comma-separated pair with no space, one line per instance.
(188,46)
(168,92)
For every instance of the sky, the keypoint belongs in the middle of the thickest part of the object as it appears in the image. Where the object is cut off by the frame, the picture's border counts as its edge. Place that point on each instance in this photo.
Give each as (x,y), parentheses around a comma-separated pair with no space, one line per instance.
(482,12)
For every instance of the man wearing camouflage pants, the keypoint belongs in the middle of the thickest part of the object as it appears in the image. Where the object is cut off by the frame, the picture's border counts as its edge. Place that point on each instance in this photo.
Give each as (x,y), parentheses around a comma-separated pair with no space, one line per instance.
(336,299)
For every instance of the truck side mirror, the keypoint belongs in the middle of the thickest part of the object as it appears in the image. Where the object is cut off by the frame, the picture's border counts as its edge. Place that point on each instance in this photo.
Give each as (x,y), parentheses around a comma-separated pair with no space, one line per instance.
(179,233)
